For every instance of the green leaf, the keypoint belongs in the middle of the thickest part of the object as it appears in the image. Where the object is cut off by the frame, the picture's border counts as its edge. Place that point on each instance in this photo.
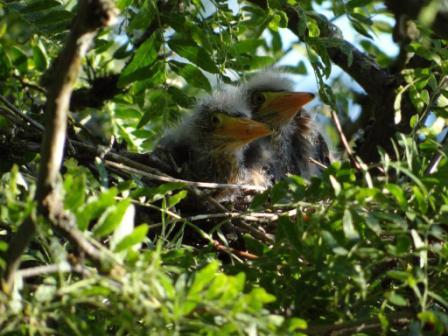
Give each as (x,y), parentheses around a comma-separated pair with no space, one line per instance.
(155,194)
(246,46)
(141,64)
(111,219)
(136,237)
(398,275)
(335,184)
(398,193)
(397,300)
(358,3)
(348,227)
(313,28)
(180,97)
(175,199)
(39,58)
(192,75)
(95,207)
(203,278)
(290,231)
(296,323)
(75,191)
(192,52)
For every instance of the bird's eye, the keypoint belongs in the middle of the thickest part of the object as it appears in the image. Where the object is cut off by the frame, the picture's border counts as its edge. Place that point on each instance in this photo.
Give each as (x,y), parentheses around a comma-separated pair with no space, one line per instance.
(258,98)
(216,121)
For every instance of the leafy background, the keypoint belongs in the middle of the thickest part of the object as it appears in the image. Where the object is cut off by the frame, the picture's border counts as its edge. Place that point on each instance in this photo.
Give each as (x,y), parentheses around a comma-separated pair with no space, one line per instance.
(357,251)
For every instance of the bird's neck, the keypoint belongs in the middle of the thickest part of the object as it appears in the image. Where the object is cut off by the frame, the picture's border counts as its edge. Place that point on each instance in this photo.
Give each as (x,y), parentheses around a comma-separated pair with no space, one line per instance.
(226,164)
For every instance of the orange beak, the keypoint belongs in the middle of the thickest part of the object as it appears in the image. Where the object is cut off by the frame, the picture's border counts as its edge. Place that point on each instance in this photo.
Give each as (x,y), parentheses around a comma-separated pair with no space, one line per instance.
(280,107)
(241,130)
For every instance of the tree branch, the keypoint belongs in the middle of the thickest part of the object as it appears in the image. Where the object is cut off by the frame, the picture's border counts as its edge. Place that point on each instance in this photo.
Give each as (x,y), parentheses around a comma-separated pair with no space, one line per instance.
(92,15)
(357,64)
(368,324)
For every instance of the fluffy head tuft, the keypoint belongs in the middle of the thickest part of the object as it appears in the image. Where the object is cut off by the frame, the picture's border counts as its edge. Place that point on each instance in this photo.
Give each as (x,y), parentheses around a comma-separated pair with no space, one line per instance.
(269,80)
(228,99)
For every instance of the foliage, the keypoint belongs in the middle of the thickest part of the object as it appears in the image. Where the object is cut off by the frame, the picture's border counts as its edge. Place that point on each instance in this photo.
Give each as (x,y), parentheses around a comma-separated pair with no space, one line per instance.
(351,248)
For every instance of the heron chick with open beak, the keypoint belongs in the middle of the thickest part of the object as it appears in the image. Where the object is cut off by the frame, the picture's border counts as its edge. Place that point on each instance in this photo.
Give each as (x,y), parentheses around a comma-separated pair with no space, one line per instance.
(295,137)
(209,144)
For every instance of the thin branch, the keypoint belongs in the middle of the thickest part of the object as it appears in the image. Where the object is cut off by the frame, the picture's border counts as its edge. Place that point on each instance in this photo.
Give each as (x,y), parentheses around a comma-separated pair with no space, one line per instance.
(92,15)
(21,115)
(26,83)
(53,268)
(362,325)
(344,141)
(242,254)
(317,163)
(254,216)
(373,79)
(8,114)
(160,178)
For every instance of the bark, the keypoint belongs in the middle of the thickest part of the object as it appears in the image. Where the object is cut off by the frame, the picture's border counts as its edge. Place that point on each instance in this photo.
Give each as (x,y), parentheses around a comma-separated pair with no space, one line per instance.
(92,15)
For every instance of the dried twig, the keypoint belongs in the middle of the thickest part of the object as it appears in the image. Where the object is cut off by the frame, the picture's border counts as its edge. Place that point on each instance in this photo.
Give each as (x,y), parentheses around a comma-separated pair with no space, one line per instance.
(337,123)
(317,163)
(162,178)
(242,254)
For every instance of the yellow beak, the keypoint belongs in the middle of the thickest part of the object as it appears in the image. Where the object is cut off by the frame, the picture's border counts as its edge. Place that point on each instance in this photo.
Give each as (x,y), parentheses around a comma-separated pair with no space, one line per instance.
(242,130)
(280,107)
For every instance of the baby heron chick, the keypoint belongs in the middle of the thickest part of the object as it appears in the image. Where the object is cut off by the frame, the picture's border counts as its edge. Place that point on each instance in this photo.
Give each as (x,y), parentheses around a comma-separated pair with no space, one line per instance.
(295,139)
(208,145)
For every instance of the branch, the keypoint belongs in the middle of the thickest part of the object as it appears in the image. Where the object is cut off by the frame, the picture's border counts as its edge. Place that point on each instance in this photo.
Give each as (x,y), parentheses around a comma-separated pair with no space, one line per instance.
(357,64)
(15,111)
(92,15)
(53,268)
(362,325)
(230,250)
(162,178)
(344,141)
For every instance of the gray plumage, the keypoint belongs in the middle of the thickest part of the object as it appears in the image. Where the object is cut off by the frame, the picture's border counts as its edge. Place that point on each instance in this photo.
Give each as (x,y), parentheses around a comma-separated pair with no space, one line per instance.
(197,148)
(293,142)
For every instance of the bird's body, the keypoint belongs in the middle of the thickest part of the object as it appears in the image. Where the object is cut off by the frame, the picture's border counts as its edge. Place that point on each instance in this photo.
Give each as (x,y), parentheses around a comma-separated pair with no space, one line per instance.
(295,138)
(208,145)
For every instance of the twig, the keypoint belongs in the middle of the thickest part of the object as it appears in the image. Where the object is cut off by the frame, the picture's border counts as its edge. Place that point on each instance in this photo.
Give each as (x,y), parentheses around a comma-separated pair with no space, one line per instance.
(255,217)
(337,123)
(98,151)
(53,268)
(357,64)
(349,328)
(8,114)
(243,254)
(91,16)
(29,84)
(20,114)
(260,217)
(161,178)
(317,163)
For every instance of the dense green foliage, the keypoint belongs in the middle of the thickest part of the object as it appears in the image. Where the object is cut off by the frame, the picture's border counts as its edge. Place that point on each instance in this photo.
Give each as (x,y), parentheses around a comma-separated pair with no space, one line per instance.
(357,251)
